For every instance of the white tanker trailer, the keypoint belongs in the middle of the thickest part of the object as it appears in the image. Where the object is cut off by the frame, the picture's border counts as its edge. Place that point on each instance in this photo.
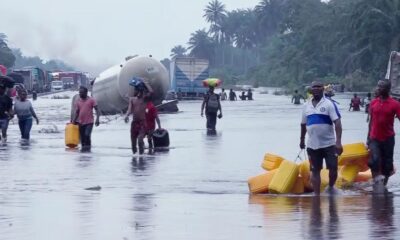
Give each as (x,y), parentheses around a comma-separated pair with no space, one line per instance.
(111,88)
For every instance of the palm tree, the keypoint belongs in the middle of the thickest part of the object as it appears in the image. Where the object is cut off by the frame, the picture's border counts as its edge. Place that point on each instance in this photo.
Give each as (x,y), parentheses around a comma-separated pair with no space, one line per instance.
(214,14)
(200,45)
(270,14)
(178,51)
(375,27)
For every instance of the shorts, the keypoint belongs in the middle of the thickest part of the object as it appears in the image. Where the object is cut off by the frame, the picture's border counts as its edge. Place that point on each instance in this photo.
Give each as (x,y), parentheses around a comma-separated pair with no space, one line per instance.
(318,155)
(4,123)
(381,158)
(138,128)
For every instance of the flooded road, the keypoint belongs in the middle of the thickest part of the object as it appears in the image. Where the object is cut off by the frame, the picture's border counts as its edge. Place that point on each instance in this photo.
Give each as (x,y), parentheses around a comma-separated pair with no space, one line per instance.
(197,190)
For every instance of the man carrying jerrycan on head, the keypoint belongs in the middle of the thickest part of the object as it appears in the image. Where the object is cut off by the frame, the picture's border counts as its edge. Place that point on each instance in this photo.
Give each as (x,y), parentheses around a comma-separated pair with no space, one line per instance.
(318,117)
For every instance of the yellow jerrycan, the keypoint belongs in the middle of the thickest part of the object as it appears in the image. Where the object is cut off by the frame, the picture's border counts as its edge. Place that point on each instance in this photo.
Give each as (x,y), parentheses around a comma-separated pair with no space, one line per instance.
(271,161)
(260,183)
(71,135)
(284,178)
(355,153)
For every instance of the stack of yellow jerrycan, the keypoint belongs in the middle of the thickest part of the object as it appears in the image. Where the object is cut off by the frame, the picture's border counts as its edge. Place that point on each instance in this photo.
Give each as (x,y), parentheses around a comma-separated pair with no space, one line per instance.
(285,176)
(71,135)
(353,165)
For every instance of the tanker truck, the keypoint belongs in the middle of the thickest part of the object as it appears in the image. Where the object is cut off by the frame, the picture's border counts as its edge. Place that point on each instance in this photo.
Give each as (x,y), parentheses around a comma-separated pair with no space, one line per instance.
(111,88)
(393,74)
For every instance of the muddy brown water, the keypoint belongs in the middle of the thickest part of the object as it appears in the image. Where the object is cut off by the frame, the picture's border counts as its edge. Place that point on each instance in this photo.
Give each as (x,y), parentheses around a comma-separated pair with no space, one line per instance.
(196,190)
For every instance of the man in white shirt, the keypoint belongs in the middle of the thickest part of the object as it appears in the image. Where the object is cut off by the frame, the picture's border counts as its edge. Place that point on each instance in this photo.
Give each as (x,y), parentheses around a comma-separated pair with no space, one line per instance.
(319,116)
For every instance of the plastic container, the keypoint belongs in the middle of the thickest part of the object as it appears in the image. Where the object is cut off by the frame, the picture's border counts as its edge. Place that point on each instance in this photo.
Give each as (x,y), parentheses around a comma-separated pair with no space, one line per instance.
(271,161)
(298,187)
(355,153)
(324,179)
(284,178)
(347,175)
(363,176)
(260,183)
(161,138)
(71,135)
(305,173)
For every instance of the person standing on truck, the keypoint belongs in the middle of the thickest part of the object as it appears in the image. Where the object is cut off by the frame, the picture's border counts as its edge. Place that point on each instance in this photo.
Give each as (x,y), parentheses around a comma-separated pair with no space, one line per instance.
(232,95)
(355,103)
(319,116)
(381,134)
(6,113)
(212,105)
(24,111)
(137,107)
(84,117)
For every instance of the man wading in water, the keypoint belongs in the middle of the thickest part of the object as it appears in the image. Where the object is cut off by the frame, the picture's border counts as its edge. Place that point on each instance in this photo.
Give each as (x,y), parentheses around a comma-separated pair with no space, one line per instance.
(319,116)
(212,104)
(383,110)
(84,117)
(137,107)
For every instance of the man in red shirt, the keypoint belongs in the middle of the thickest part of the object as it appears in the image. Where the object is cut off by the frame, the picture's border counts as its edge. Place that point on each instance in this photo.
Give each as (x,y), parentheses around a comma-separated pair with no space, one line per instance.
(151,119)
(383,110)
(84,116)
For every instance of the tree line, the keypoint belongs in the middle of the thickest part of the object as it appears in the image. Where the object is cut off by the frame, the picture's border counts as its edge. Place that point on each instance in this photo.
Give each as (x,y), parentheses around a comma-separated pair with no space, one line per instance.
(14,58)
(291,42)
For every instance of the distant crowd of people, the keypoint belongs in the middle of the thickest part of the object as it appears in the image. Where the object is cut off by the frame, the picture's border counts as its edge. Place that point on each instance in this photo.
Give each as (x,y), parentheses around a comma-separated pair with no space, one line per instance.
(233,96)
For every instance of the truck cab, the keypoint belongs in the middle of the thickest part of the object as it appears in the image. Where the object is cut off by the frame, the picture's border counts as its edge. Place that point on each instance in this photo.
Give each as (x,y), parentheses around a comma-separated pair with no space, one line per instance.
(393,74)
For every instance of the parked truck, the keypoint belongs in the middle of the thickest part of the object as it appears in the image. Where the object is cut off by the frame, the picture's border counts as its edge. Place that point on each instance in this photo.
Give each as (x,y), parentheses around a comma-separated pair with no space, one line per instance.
(186,76)
(393,73)
(71,80)
(35,78)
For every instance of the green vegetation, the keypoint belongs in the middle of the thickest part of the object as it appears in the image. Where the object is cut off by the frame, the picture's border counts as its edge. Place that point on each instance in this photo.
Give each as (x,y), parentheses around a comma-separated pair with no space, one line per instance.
(291,42)
(13,58)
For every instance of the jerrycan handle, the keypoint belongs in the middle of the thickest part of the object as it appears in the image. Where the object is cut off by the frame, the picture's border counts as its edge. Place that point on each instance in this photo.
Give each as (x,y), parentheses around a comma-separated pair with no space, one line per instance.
(299,158)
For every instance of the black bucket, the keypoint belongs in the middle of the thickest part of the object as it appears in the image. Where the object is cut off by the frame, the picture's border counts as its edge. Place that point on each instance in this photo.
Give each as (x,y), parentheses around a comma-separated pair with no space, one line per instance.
(161,138)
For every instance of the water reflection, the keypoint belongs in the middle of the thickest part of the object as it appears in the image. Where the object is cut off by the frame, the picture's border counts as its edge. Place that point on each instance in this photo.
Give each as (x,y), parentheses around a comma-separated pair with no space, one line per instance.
(316,222)
(381,216)
(138,164)
(84,160)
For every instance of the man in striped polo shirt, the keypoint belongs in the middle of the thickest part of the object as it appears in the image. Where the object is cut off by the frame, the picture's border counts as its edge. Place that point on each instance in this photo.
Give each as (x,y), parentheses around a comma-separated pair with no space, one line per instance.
(321,119)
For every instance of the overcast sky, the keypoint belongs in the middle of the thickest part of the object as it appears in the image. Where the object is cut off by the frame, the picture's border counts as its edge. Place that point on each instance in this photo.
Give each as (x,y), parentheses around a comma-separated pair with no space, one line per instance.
(94,34)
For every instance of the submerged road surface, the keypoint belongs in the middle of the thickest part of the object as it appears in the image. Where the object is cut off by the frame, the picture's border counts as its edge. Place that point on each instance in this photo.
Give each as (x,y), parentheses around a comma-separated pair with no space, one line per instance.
(197,190)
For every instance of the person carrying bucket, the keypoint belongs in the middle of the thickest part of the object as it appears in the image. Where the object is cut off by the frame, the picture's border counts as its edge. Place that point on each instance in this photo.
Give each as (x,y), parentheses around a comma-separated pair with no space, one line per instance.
(137,107)
(84,117)
(321,119)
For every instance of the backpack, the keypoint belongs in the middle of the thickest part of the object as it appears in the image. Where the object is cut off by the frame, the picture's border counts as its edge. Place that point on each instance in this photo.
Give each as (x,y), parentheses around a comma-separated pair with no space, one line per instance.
(212,103)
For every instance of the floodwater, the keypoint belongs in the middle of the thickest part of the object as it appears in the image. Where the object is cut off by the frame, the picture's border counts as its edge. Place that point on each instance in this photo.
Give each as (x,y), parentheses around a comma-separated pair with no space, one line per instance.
(196,190)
